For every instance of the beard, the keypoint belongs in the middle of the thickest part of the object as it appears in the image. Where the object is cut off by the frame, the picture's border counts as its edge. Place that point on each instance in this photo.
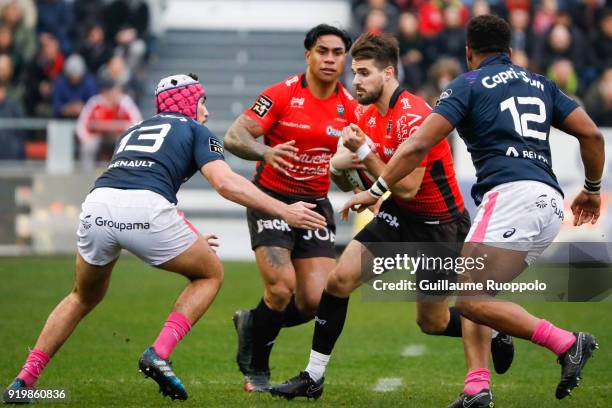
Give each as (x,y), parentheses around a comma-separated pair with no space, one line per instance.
(370,97)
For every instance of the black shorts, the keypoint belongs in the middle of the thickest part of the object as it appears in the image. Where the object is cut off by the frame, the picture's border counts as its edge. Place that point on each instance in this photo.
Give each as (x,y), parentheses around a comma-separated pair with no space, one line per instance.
(266,230)
(393,225)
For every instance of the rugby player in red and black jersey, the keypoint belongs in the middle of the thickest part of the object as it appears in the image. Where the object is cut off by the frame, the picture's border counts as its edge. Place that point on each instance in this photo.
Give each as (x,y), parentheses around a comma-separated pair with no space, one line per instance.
(425,207)
(301,120)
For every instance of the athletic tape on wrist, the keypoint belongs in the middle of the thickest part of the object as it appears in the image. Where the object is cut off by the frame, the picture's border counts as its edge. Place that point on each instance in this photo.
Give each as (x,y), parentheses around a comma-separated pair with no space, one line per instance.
(591,186)
(363,151)
(378,188)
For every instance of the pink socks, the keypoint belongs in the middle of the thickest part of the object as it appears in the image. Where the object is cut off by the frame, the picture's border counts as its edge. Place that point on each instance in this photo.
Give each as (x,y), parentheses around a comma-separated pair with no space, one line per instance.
(476,380)
(553,338)
(33,367)
(175,328)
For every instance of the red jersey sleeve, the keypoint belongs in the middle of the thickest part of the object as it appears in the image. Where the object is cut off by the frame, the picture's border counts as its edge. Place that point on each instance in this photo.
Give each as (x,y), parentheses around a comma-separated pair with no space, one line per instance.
(270,104)
(409,120)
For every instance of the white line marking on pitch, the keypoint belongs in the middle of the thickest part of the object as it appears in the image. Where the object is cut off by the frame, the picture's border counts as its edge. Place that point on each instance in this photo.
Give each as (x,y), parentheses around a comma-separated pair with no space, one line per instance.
(388,384)
(414,350)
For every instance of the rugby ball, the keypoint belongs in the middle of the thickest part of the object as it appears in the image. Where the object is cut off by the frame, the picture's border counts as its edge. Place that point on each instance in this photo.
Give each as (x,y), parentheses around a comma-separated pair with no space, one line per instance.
(360,179)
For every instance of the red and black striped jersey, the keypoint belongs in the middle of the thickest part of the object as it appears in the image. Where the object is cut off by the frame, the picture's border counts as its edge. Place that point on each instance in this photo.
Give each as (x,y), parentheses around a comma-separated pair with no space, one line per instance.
(438,198)
(289,111)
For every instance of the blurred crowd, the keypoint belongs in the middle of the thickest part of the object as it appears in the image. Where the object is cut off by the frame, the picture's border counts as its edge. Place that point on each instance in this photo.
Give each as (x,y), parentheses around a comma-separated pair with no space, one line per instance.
(78,59)
(569,41)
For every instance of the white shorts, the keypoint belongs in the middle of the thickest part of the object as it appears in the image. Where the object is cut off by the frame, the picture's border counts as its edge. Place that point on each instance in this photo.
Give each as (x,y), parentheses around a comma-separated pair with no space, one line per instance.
(522,216)
(141,221)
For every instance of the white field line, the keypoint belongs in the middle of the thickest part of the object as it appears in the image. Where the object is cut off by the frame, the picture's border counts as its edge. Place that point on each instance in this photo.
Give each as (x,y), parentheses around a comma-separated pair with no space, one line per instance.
(414,350)
(388,384)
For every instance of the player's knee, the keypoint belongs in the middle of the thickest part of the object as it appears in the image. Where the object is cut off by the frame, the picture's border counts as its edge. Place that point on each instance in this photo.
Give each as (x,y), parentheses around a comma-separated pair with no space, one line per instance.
(308,305)
(430,325)
(341,284)
(470,309)
(87,300)
(278,296)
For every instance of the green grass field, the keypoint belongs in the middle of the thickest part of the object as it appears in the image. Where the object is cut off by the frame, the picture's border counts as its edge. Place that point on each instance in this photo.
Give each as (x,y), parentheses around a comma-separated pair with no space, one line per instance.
(98,365)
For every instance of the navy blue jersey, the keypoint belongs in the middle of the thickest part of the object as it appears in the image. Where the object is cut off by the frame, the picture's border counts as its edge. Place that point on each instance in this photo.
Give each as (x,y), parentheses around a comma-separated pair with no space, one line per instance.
(159,154)
(504,114)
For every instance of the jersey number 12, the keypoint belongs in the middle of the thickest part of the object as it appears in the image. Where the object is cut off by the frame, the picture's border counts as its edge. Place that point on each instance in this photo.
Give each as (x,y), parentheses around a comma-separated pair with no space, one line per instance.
(521,121)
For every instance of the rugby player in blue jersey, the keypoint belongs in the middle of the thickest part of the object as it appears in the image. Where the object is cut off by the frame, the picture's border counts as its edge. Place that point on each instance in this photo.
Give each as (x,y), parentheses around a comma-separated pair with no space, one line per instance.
(132,206)
(504,113)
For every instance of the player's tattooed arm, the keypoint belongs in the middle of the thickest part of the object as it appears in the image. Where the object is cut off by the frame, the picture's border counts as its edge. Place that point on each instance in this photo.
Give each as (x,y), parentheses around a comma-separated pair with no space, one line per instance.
(240,139)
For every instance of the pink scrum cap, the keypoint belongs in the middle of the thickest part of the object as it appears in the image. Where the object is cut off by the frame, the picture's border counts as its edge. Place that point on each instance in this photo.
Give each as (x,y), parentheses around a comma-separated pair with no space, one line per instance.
(179,93)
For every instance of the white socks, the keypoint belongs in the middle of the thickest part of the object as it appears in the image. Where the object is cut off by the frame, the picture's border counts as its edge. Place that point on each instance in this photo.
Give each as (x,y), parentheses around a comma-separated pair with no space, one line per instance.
(316,365)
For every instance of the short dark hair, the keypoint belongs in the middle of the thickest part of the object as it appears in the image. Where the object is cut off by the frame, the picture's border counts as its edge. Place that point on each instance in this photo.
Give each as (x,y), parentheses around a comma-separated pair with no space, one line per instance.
(488,34)
(382,48)
(325,29)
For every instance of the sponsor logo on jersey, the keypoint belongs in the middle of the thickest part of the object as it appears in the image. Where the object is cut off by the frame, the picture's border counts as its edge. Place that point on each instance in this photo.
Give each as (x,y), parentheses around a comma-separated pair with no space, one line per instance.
(389,127)
(556,209)
(389,151)
(510,75)
(297,102)
(294,125)
(389,219)
(322,234)
(262,105)
(509,233)
(541,201)
(215,146)
(448,92)
(310,164)
(333,132)
(405,103)
(275,224)
(292,80)
(340,109)
(371,121)
(131,163)
(86,222)
(121,226)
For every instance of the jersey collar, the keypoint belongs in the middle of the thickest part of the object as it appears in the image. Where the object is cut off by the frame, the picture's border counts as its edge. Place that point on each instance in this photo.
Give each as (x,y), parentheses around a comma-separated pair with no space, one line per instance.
(502,58)
(304,83)
(395,96)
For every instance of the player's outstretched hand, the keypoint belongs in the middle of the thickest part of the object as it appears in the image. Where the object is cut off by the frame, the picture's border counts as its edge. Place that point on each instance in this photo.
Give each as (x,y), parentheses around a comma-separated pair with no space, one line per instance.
(586,208)
(357,203)
(300,215)
(278,156)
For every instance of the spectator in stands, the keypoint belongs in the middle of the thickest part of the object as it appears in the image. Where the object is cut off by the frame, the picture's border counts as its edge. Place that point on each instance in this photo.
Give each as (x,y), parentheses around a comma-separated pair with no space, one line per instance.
(24,37)
(7,47)
(545,16)
(522,36)
(560,43)
(127,13)
(117,70)
(12,141)
(480,8)
(586,14)
(55,16)
(14,88)
(598,100)
(450,42)
(28,9)
(379,10)
(103,119)
(414,51)
(563,73)
(375,22)
(439,75)
(431,15)
(40,74)
(73,88)
(602,42)
(87,13)
(94,48)
(131,48)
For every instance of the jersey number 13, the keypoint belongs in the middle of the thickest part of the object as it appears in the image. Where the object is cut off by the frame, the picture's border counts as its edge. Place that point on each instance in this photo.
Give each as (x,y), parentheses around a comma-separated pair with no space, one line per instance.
(156,133)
